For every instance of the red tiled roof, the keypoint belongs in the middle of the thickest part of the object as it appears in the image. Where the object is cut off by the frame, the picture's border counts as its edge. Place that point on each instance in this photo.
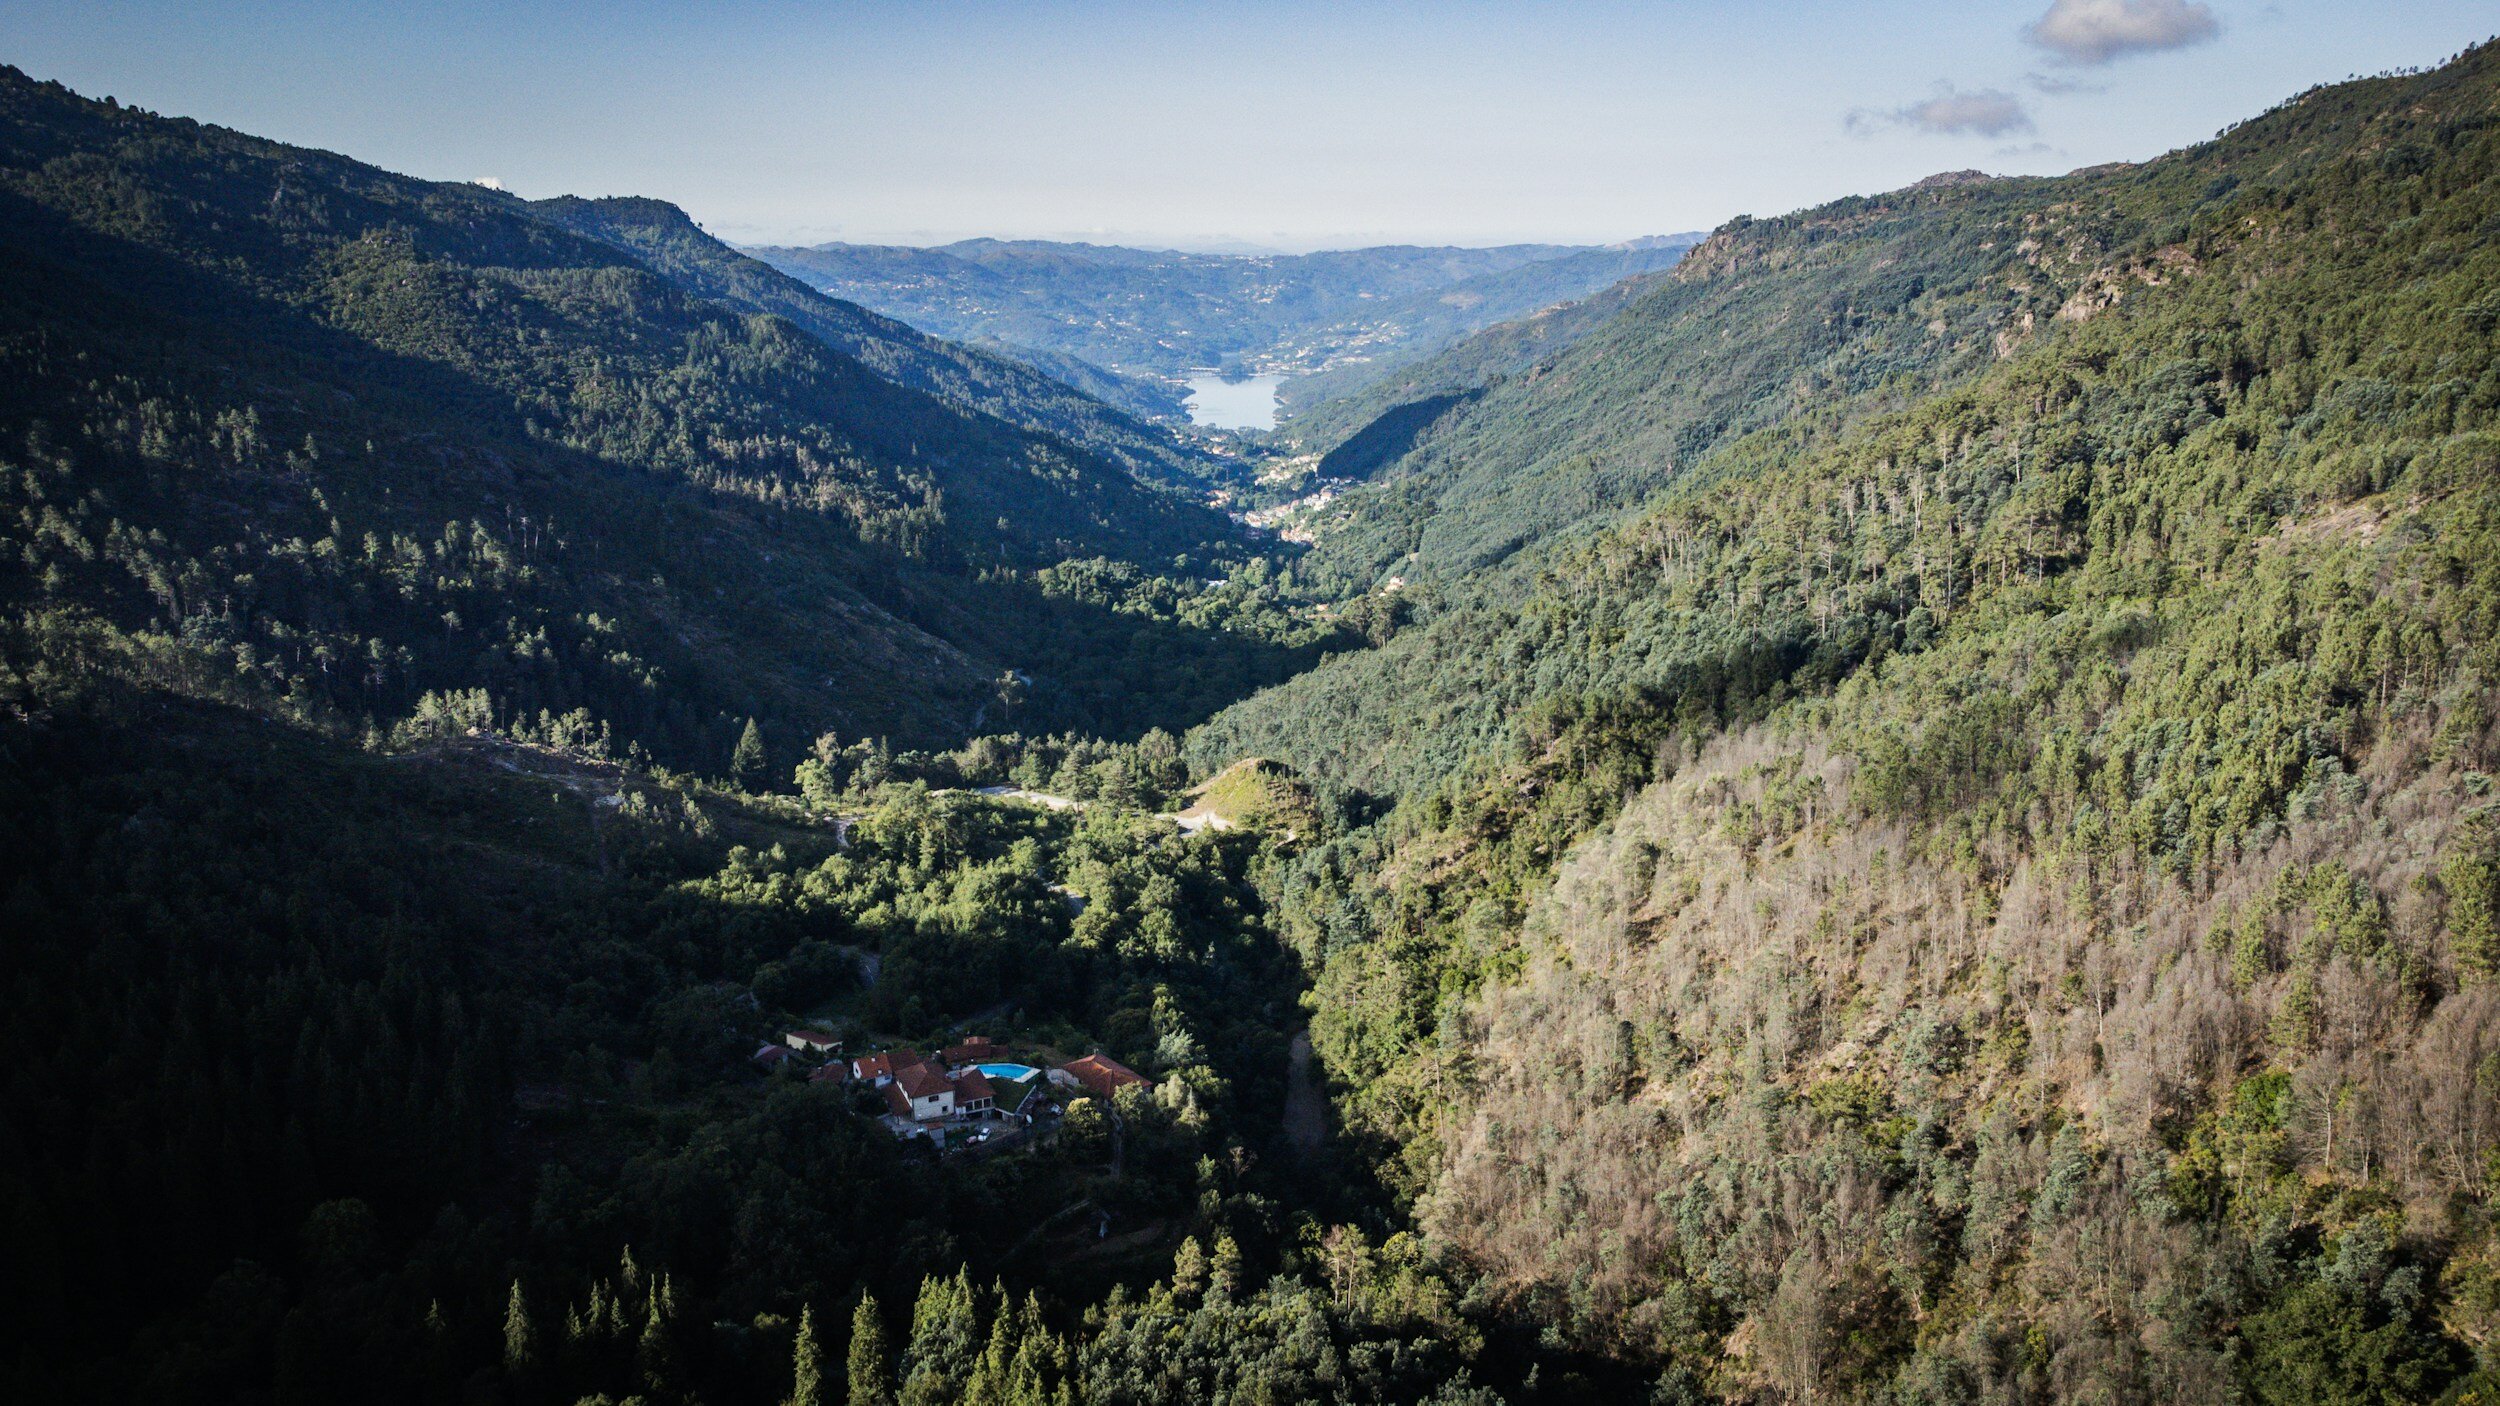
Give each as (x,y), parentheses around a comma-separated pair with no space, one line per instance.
(884,1065)
(921,1080)
(973,1049)
(971,1084)
(898,1101)
(834,1073)
(772,1054)
(1101,1074)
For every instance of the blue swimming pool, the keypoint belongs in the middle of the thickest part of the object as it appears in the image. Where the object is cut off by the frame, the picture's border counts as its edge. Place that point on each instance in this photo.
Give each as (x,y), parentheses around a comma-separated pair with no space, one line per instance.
(1009,1071)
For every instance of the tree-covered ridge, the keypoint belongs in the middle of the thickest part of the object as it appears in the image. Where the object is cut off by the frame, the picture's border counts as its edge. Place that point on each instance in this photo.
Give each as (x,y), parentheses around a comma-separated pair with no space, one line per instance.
(1900,291)
(618,360)
(1559,621)
(349,439)
(1422,324)
(2047,950)
(1809,320)
(1343,405)
(995,385)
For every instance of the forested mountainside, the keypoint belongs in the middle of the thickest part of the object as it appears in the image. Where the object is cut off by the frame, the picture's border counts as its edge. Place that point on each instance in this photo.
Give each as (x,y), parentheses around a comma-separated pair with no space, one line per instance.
(1334,407)
(369,438)
(1775,338)
(1424,323)
(1141,397)
(388,567)
(997,385)
(1983,890)
(1161,313)
(1945,853)
(1783,322)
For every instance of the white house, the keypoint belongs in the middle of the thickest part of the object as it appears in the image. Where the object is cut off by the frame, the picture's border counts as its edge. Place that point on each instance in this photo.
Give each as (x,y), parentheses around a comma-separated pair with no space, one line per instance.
(921,1094)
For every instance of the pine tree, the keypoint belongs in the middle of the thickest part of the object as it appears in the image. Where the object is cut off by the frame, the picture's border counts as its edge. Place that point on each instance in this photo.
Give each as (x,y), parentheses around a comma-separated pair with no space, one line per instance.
(519,1345)
(1189,1270)
(746,761)
(1224,1274)
(1038,1356)
(656,1353)
(989,1383)
(871,1361)
(807,1364)
(945,1341)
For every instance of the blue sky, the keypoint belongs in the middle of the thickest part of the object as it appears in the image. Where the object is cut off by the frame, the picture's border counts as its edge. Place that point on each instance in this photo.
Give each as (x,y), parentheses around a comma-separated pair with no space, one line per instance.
(1286,125)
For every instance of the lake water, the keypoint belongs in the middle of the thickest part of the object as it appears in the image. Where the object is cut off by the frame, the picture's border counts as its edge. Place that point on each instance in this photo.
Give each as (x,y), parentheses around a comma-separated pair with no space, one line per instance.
(1246,404)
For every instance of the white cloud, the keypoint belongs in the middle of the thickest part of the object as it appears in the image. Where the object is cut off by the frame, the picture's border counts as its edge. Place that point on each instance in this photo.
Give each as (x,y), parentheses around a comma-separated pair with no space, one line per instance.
(487,181)
(1987,112)
(2097,31)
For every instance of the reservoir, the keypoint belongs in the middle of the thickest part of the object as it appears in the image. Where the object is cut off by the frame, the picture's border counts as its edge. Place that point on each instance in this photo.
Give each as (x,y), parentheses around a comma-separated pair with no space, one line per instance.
(1246,404)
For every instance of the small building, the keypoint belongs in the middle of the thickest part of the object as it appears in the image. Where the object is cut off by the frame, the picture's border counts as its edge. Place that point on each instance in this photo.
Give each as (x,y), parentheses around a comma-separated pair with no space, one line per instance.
(834,1073)
(811,1041)
(920,1093)
(973,1050)
(973,1093)
(1099,1074)
(772,1057)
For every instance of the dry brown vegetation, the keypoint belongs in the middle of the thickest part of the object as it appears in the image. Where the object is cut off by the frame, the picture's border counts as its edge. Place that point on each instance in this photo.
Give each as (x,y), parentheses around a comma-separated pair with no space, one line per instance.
(1862,1087)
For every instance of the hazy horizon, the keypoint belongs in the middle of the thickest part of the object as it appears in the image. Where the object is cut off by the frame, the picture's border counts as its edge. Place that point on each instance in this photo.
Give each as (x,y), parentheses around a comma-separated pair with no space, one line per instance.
(1229,128)
(1151,243)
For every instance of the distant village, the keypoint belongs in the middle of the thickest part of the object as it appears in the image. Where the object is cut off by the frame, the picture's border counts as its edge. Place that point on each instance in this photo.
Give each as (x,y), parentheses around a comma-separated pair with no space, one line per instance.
(973,1096)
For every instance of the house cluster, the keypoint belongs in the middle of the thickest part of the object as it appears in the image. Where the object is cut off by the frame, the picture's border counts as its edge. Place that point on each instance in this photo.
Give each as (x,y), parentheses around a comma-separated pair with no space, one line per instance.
(926,1090)
(925,1094)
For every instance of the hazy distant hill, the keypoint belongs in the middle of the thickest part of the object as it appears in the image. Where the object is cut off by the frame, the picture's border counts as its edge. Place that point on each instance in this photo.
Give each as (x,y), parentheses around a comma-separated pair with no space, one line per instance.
(1158,312)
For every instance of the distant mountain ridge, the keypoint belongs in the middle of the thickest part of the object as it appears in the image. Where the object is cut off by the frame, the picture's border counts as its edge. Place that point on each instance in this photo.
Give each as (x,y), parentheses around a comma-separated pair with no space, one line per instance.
(995,383)
(1160,313)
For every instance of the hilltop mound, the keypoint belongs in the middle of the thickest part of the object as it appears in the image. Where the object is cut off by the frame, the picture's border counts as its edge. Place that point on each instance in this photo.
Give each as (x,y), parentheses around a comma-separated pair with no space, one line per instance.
(1255,793)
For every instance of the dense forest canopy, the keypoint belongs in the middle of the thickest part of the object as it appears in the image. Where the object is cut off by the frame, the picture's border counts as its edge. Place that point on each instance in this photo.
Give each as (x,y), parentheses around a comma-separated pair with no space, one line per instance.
(1899,813)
